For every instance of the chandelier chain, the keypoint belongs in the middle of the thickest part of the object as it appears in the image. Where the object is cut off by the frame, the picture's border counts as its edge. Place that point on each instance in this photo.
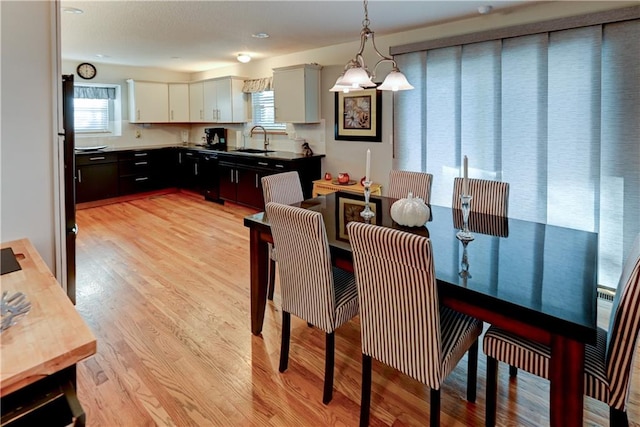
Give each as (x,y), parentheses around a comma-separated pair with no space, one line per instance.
(365,21)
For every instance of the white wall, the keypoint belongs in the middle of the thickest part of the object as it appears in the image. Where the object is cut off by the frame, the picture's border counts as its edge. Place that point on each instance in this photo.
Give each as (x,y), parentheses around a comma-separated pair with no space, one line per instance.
(27,137)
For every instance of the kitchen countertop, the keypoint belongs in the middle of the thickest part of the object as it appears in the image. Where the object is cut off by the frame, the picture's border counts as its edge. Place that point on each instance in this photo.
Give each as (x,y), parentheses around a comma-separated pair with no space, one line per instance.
(281,155)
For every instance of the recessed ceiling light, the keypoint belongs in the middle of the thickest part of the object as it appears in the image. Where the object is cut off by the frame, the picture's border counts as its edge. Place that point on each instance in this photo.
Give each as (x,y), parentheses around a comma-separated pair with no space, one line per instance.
(176,58)
(100,55)
(244,57)
(74,10)
(260,35)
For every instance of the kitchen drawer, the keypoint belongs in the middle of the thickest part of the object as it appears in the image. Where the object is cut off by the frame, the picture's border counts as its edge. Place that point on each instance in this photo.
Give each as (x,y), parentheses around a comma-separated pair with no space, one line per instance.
(135,166)
(96,158)
(136,183)
(135,155)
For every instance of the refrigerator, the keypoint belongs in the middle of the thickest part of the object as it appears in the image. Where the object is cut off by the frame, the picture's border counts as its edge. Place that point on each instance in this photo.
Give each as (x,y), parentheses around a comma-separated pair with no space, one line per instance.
(67,134)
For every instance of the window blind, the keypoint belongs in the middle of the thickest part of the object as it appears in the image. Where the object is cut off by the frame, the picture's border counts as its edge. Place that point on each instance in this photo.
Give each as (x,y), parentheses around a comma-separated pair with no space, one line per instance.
(264,111)
(556,114)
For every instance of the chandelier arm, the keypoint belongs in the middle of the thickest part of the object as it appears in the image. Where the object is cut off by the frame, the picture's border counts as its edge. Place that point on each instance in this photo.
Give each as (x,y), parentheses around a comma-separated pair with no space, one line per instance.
(384,59)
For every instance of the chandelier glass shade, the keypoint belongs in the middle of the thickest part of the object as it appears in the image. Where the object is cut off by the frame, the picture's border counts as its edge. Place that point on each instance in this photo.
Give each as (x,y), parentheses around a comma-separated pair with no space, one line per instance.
(356,75)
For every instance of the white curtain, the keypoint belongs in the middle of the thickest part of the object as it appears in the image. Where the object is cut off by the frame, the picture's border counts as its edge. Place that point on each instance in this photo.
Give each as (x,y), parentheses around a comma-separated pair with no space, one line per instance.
(557,115)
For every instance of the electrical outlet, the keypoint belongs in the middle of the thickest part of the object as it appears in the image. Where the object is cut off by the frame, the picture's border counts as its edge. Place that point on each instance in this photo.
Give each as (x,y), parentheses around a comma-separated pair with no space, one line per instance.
(138,134)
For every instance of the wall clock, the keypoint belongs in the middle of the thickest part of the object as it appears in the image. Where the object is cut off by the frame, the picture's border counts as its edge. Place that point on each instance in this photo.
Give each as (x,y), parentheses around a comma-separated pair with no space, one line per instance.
(86,71)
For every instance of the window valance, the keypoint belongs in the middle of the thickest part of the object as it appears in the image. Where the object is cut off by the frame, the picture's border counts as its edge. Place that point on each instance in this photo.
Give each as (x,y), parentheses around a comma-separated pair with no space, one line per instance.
(94,92)
(257,85)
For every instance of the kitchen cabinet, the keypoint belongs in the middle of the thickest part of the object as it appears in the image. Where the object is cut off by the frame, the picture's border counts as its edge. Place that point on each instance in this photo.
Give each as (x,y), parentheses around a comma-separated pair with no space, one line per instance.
(189,170)
(240,177)
(218,101)
(179,102)
(148,102)
(96,176)
(296,92)
(140,170)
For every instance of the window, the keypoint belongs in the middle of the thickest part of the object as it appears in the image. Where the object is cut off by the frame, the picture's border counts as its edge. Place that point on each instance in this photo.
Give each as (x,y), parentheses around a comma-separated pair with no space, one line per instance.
(264,111)
(554,114)
(97,110)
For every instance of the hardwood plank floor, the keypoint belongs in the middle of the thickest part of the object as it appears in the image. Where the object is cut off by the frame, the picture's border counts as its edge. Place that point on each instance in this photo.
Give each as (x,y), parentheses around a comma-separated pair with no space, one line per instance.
(163,283)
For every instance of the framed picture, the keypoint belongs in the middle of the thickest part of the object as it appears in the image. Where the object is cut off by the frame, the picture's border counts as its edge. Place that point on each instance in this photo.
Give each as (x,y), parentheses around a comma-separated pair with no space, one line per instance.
(348,208)
(359,115)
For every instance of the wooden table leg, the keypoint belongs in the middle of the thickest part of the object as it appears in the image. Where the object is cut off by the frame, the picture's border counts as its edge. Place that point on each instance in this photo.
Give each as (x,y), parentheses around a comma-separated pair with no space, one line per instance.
(259,270)
(566,372)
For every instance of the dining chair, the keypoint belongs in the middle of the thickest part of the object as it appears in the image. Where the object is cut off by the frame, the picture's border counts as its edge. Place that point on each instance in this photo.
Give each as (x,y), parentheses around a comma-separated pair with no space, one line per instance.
(402,323)
(401,183)
(489,197)
(311,288)
(608,363)
(282,188)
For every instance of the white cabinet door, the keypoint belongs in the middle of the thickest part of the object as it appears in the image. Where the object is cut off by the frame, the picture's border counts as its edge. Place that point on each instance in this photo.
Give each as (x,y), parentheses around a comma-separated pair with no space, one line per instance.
(178,102)
(196,102)
(296,92)
(148,102)
(223,101)
(210,101)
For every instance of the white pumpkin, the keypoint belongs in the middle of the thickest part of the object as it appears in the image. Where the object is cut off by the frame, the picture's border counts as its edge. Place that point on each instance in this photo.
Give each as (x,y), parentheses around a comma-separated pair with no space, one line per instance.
(410,212)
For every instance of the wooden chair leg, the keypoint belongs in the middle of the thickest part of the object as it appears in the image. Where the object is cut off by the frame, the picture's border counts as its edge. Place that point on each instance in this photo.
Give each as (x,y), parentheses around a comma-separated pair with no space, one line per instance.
(513,371)
(328,368)
(618,418)
(492,391)
(365,396)
(435,408)
(284,347)
(309,324)
(271,284)
(472,372)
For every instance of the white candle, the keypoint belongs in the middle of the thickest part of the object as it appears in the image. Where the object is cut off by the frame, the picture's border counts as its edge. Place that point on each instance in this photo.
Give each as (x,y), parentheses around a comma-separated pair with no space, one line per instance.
(465,176)
(367,170)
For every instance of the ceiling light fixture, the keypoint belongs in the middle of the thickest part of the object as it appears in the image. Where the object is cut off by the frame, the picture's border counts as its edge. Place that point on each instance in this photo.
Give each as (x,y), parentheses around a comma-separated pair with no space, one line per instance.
(260,35)
(244,57)
(356,74)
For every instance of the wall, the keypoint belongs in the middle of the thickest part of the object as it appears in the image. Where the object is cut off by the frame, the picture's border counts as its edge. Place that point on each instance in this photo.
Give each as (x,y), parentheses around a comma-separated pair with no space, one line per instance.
(27,135)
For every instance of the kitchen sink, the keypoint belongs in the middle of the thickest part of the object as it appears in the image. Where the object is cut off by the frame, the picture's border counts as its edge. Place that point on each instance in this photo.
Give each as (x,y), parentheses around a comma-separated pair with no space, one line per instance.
(253,150)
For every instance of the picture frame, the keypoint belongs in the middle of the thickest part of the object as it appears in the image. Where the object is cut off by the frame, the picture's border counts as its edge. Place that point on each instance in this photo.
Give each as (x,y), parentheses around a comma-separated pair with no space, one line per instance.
(358,115)
(348,208)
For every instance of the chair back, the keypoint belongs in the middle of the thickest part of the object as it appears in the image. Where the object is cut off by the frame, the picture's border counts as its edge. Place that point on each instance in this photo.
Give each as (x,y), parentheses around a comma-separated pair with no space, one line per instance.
(403,182)
(398,299)
(489,197)
(304,264)
(282,188)
(624,327)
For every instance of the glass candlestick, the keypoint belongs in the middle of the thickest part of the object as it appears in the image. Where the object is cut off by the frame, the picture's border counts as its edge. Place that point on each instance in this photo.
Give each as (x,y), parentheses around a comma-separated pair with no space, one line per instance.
(464,263)
(367,213)
(465,234)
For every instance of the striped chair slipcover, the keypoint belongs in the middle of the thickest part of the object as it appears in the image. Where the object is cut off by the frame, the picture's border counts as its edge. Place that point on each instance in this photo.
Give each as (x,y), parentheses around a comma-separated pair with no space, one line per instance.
(608,364)
(401,183)
(282,188)
(489,197)
(402,323)
(311,288)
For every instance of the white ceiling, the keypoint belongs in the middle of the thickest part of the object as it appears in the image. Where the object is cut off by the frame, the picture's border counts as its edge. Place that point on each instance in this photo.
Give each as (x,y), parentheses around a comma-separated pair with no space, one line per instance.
(192,36)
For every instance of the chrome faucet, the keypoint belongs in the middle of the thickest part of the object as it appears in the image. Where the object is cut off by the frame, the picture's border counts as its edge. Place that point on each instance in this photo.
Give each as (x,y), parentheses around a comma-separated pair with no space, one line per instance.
(266,140)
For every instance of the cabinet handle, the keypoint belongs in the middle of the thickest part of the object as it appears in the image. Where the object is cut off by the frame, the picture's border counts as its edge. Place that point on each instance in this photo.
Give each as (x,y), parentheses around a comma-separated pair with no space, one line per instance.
(263,164)
(237,176)
(138,114)
(256,180)
(141,163)
(139,154)
(96,158)
(280,166)
(142,179)
(188,153)
(180,157)
(201,115)
(195,166)
(79,175)
(232,181)
(171,114)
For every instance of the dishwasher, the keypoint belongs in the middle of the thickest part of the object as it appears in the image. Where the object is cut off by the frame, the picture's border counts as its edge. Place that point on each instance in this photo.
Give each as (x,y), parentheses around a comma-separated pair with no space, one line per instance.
(209,178)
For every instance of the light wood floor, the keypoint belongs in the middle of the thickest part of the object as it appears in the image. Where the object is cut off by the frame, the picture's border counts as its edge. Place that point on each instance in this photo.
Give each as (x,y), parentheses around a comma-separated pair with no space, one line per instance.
(163,283)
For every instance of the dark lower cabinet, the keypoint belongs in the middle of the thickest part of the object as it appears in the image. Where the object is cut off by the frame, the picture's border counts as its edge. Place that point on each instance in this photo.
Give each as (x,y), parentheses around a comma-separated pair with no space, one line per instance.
(96,176)
(219,176)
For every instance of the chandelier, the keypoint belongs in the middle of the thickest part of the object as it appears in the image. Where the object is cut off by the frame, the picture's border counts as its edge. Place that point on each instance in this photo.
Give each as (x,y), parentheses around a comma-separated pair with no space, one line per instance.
(356,75)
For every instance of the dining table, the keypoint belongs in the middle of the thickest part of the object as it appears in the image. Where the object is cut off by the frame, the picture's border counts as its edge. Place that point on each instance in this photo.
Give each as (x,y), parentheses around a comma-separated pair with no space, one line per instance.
(534,279)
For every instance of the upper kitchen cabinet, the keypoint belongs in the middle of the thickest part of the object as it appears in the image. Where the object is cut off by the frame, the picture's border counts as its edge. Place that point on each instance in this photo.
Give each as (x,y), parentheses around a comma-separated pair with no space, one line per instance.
(179,102)
(218,101)
(148,102)
(296,91)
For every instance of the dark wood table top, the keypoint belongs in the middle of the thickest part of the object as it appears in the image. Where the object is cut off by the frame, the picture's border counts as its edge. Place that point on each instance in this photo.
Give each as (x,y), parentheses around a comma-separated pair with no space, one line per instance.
(541,274)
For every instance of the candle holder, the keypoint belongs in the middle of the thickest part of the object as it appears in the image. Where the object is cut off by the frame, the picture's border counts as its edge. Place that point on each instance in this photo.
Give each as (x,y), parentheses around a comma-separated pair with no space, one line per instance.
(367,213)
(464,263)
(464,234)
